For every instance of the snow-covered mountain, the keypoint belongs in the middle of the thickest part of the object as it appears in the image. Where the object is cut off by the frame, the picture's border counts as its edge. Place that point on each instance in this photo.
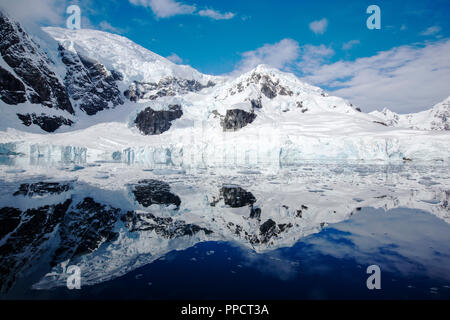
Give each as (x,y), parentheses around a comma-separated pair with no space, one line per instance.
(29,78)
(140,107)
(436,118)
(148,77)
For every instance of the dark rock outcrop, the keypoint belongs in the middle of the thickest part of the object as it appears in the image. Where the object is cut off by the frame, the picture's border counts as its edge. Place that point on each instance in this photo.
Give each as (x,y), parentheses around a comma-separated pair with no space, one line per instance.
(151,122)
(236,197)
(42,188)
(270,229)
(164,227)
(149,192)
(166,87)
(9,220)
(301,106)
(32,66)
(379,122)
(255,213)
(58,230)
(267,226)
(46,123)
(256,104)
(26,240)
(90,84)
(269,87)
(268,90)
(267,232)
(85,228)
(236,119)
(12,90)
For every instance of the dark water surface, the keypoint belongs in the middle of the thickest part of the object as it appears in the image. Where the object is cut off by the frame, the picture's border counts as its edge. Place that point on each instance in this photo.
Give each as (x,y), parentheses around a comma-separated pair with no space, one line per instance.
(330,264)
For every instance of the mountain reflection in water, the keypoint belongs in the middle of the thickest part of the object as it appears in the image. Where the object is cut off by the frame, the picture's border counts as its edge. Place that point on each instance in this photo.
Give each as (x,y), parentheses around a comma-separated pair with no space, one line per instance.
(303,232)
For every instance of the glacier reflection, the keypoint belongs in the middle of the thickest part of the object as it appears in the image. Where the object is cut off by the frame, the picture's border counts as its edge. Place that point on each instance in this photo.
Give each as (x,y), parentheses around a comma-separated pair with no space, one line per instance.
(289,226)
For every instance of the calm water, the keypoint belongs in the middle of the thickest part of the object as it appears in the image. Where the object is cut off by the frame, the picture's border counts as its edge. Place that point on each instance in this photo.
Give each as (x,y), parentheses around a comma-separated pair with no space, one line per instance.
(299,233)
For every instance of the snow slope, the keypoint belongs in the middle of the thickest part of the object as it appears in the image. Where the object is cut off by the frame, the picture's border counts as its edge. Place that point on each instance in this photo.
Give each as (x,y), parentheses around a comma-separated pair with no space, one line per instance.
(121,54)
(436,118)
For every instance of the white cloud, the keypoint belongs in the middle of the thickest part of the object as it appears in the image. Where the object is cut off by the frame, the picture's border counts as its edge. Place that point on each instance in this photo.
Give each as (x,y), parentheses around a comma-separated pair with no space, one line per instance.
(170,8)
(36,11)
(404,79)
(106,26)
(350,44)
(175,58)
(33,14)
(165,8)
(319,26)
(430,31)
(312,57)
(213,14)
(286,55)
(279,55)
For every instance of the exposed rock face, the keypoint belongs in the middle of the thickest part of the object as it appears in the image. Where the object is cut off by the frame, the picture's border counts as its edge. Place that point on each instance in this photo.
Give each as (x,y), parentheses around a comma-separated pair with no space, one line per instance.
(90,84)
(268,86)
(389,118)
(441,117)
(151,122)
(255,213)
(85,228)
(300,106)
(270,229)
(32,66)
(74,232)
(12,90)
(47,123)
(26,239)
(133,93)
(382,123)
(164,227)
(256,104)
(64,231)
(268,90)
(42,188)
(236,197)
(9,220)
(267,232)
(87,82)
(166,87)
(149,192)
(236,119)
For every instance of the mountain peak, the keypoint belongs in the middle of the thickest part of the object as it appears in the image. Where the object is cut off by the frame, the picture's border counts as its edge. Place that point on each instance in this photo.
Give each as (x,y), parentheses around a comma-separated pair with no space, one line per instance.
(444,103)
(135,62)
(264,68)
(436,118)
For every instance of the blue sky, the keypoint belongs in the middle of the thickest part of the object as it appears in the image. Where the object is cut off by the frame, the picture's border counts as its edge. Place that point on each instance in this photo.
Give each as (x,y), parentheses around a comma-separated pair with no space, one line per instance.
(325,42)
(214,46)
